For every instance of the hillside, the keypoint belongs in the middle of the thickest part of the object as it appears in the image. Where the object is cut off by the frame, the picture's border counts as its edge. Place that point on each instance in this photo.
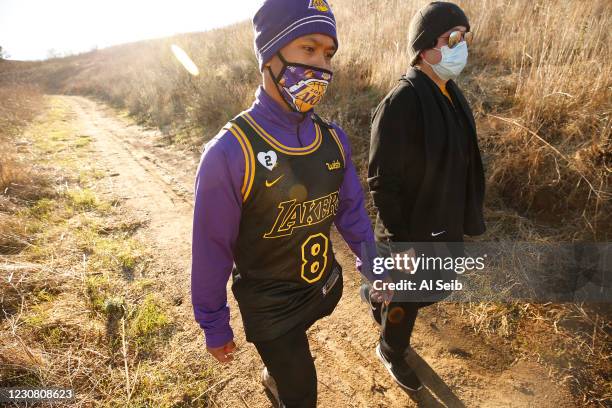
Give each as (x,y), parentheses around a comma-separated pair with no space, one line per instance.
(542,98)
(539,79)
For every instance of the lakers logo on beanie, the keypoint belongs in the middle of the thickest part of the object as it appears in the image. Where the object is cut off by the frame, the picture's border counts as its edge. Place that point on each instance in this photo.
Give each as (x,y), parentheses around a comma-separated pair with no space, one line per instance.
(320,5)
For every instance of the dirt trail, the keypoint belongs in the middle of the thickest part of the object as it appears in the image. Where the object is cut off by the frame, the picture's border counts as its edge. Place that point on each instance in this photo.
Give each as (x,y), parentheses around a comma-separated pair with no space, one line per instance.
(157,181)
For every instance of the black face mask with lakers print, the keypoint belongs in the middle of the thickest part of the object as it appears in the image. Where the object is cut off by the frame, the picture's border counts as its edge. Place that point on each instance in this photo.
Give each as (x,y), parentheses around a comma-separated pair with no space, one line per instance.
(301,86)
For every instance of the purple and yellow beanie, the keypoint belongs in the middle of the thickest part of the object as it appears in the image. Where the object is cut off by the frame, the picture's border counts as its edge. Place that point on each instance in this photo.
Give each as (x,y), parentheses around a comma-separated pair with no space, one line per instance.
(278,22)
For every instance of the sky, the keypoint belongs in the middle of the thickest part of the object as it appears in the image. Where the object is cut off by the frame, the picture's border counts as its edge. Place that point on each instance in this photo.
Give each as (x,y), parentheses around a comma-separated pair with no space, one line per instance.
(29,29)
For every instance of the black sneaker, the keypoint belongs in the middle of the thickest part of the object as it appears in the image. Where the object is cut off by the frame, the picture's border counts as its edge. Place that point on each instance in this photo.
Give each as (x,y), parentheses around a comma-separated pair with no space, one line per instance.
(400,371)
(375,307)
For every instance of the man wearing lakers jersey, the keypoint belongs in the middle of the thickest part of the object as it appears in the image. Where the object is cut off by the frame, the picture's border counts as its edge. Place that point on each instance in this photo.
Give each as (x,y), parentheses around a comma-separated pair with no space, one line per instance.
(268,188)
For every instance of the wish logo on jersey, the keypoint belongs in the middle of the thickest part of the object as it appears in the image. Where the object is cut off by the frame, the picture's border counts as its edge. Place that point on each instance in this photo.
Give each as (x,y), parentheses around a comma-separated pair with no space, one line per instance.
(294,215)
(319,5)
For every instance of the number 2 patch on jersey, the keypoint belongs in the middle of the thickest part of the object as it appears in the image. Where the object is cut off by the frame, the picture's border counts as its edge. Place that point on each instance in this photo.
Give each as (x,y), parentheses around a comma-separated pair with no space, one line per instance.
(267,159)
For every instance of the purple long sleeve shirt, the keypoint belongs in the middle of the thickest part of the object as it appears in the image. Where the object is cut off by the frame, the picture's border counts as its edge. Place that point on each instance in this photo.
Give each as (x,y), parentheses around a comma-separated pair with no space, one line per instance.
(218,207)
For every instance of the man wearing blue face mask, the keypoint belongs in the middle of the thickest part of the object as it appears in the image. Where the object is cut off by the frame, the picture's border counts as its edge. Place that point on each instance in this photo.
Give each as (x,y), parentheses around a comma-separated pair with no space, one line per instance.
(268,189)
(425,171)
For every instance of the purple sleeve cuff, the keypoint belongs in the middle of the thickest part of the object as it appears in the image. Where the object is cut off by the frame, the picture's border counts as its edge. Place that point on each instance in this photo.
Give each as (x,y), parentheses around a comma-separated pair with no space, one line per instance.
(217,330)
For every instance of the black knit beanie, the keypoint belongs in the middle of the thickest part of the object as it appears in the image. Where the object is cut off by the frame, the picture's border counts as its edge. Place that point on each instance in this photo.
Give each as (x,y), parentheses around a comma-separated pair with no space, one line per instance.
(429,23)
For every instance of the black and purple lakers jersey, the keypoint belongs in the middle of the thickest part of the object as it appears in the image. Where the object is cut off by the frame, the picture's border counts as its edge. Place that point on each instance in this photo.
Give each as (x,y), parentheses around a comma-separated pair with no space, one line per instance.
(283,257)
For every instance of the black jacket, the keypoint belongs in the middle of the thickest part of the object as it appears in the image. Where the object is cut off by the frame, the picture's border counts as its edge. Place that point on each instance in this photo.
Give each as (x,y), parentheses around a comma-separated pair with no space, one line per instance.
(425,171)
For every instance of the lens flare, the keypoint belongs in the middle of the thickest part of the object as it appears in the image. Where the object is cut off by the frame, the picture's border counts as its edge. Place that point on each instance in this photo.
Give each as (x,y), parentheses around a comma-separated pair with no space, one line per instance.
(184,59)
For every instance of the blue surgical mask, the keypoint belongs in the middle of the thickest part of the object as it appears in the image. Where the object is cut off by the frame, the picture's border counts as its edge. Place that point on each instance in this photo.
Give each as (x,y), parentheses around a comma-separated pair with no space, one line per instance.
(453,61)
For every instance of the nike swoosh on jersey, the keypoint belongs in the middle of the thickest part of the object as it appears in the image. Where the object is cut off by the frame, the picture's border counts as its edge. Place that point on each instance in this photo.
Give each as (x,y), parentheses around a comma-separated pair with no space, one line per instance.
(271,183)
(435,234)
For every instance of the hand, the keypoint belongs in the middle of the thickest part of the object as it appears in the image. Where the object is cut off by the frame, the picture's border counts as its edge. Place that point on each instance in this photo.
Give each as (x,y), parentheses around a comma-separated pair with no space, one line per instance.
(386,295)
(382,296)
(223,354)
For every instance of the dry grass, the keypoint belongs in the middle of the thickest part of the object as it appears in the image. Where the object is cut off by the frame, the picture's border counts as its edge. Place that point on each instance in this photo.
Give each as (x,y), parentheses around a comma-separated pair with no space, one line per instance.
(20,183)
(539,80)
(574,341)
(18,106)
(82,303)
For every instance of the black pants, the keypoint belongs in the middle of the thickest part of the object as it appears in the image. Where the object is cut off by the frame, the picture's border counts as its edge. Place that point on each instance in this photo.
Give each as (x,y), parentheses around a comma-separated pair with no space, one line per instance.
(398,318)
(397,321)
(289,360)
(290,363)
